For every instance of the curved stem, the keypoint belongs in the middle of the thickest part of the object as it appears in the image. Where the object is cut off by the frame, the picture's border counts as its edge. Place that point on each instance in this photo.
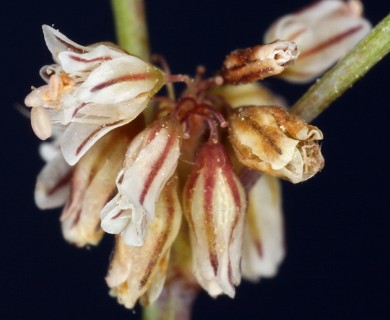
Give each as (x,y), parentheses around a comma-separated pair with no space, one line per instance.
(345,73)
(131,28)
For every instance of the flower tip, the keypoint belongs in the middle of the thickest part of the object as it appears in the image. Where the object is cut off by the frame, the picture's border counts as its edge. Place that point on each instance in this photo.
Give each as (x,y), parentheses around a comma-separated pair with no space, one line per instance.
(256,63)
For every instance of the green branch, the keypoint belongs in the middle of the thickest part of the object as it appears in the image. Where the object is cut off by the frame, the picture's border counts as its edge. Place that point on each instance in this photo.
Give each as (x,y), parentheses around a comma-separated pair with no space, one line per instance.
(345,73)
(131,28)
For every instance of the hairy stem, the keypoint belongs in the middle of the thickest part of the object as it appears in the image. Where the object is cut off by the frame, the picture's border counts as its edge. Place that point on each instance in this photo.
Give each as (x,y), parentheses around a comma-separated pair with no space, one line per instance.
(345,73)
(131,28)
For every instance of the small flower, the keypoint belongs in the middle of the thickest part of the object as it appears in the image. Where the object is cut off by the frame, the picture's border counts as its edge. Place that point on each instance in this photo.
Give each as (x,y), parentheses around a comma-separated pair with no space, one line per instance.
(263,246)
(271,140)
(214,204)
(256,63)
(91,90)
(324,31)
(140,271)
(151,159)
(52,188)
(92,185)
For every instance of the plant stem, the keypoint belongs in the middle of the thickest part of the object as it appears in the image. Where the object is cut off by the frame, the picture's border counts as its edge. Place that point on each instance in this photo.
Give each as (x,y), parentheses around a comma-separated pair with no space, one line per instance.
(345,73)
(132,32)
(131,28)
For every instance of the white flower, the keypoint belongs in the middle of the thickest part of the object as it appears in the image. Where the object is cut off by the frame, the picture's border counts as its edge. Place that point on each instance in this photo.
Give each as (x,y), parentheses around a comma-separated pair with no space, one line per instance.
(150,161)
(324,31)
(52,188)
(214,203)
(91,90)
(263,247)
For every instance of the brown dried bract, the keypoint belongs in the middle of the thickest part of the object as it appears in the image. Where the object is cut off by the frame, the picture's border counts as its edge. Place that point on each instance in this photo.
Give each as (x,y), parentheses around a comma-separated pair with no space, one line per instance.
(256,63)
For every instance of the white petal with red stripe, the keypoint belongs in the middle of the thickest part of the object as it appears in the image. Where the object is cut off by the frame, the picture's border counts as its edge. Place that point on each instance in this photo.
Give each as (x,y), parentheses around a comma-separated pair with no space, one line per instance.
(121,79)
(324,32)
(57,42)
(150,161)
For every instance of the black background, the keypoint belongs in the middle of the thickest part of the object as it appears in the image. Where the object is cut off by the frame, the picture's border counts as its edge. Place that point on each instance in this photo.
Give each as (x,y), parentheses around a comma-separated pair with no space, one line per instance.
(337,224)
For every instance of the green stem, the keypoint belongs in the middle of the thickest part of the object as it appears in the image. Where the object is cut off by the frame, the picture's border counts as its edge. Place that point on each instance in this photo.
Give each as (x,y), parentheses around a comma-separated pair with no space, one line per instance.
(131,28)
(345,73)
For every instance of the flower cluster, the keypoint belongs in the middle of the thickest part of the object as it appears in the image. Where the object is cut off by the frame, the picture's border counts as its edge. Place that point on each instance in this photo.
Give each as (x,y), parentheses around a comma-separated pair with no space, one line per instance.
(192,195)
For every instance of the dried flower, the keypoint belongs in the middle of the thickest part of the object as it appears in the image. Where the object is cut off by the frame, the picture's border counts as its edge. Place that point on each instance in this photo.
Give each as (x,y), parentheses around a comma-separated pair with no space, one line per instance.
(271,140)
(256,63)
(139,271)
(92,184)
(324,31)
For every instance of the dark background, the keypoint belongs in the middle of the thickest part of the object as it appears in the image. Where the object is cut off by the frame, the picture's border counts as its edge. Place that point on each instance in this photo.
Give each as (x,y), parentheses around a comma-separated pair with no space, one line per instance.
(337,224)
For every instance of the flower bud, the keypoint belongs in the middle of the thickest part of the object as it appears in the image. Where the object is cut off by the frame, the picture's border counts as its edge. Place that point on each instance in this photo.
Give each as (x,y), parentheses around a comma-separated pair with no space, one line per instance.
(324,31)
(256,63)
(263,247)
(214,204)
(138,271)
(271,140)
(151,159)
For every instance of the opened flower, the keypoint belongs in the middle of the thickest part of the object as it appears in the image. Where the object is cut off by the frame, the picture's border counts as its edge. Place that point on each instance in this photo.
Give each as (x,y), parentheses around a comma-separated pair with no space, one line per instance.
(91,91)
(190,191)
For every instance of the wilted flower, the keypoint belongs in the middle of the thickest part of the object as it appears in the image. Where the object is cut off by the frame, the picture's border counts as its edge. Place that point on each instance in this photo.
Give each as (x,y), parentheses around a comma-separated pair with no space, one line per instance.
(324,32)
(91,90)
(137,271)
(208,156)
(256,63)
(271,140)
(92,184)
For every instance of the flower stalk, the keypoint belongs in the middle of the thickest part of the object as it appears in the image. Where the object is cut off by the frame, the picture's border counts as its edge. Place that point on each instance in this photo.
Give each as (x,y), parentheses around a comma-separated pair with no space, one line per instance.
(132,35)
(345,73)
(131,27)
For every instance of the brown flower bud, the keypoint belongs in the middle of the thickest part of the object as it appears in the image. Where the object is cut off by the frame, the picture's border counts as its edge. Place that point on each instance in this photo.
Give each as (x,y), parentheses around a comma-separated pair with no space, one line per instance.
(256,63)
(271,140)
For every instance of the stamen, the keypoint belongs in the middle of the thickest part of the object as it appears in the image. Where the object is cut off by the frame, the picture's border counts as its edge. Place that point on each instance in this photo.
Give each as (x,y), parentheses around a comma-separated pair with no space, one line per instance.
(161,60)
(171,78)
